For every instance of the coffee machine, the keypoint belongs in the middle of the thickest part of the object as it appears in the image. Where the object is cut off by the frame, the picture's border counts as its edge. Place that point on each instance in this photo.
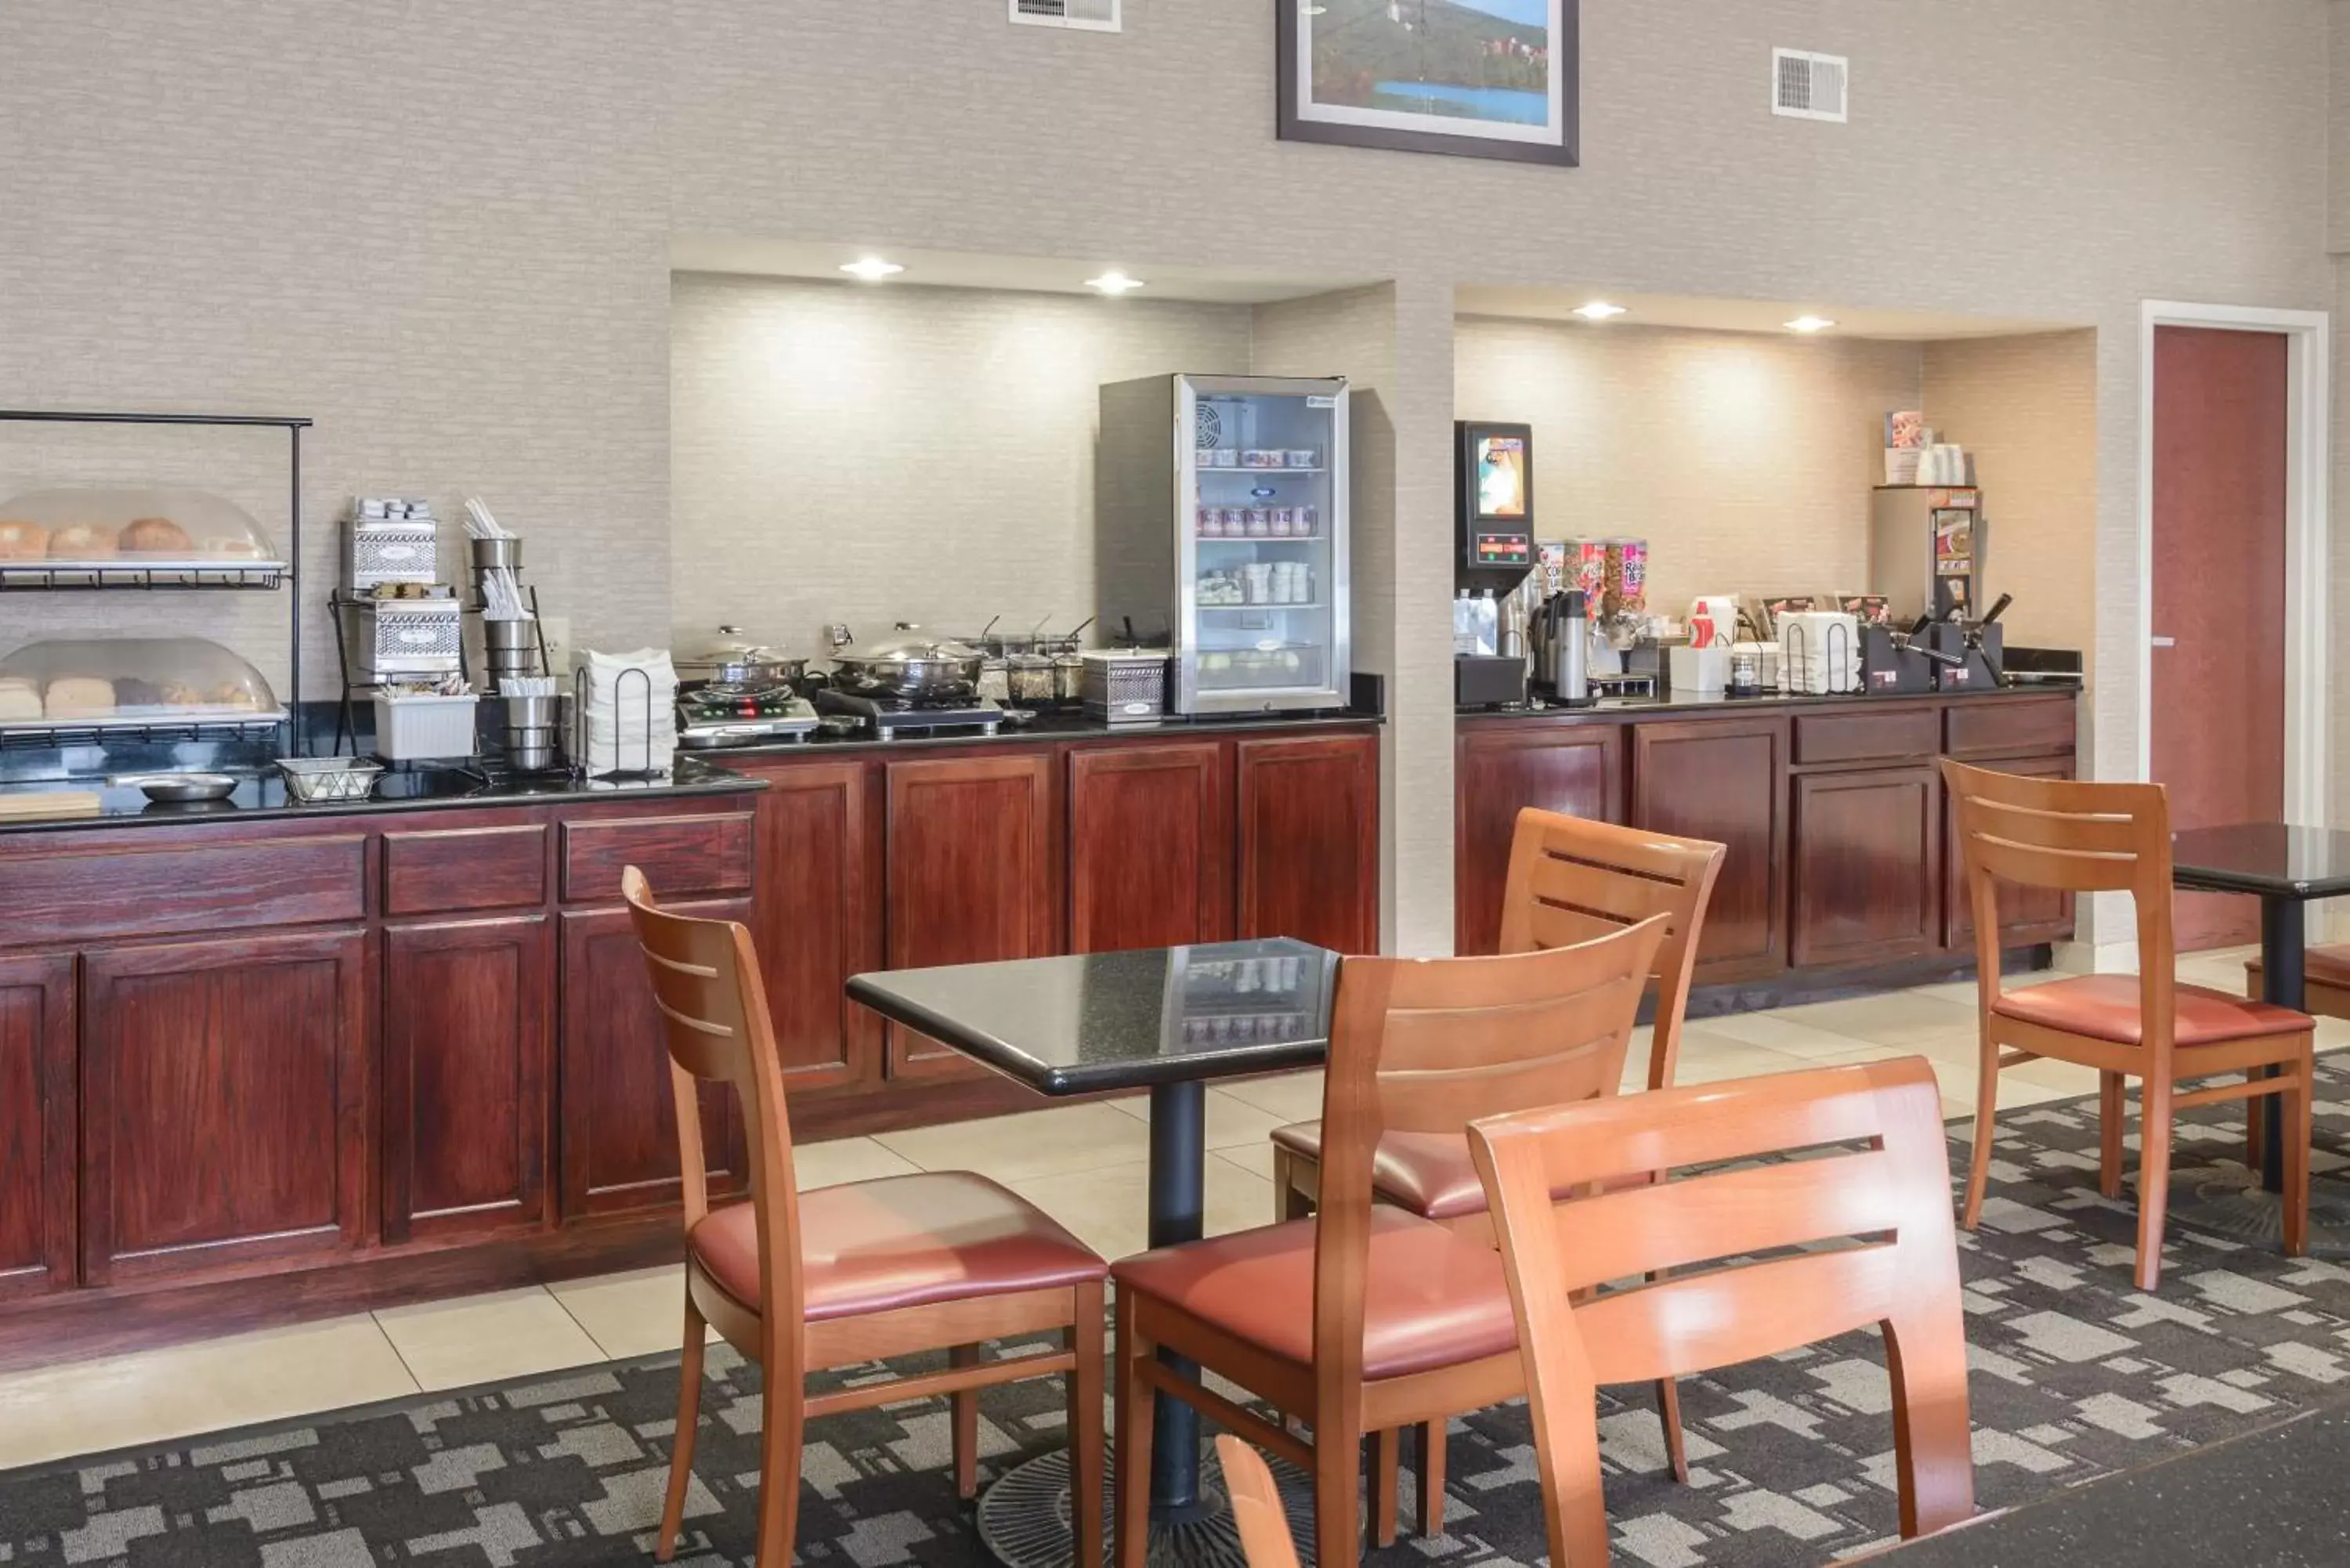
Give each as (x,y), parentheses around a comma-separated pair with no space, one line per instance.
(1493,517)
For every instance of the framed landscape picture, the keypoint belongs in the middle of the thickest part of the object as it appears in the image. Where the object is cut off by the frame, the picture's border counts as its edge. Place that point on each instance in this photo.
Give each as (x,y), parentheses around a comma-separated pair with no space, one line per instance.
(1482,78)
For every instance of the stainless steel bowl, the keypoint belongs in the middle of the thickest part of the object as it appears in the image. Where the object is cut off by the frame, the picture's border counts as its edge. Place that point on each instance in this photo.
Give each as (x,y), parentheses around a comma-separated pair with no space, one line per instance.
(178,789)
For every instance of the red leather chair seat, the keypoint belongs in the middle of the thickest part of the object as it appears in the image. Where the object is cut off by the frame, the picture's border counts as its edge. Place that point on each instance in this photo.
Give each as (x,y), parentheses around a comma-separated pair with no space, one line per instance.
(2105,1007)
(1428,1173)
(901,1241)
(2329,965)
(1431,1299)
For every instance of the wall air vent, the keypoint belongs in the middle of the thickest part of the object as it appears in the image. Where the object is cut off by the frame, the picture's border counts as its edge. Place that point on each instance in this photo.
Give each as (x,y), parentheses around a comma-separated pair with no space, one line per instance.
(1806,85)
(1094,15)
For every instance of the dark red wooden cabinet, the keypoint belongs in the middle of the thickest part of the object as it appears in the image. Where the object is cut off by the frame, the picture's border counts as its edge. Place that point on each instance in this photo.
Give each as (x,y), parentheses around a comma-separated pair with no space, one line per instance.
(1868,857)
(618,1111)
(1499,770)
(1725,779)
(39,1111)
(1150,846)
(224,1095)
(1309,840)
(468,1032)
(817,916)
(973,849)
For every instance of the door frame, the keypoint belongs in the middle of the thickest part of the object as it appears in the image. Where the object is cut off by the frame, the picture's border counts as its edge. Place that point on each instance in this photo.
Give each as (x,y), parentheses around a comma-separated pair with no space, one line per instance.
(2308,452)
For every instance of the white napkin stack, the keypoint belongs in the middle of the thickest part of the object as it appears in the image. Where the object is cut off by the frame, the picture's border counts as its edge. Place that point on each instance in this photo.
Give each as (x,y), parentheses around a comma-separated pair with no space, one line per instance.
(624,726)
(1819,652)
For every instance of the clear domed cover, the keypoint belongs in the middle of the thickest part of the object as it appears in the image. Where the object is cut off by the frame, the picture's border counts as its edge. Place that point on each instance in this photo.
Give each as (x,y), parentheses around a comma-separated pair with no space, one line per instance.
(130,526)
(98,681)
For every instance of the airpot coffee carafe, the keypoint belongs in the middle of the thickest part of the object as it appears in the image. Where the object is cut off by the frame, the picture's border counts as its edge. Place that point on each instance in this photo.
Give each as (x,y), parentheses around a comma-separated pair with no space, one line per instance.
(1563,647)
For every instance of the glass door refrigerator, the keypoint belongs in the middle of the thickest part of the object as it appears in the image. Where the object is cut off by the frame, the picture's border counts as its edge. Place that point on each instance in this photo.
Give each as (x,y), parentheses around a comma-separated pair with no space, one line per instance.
(1222,514)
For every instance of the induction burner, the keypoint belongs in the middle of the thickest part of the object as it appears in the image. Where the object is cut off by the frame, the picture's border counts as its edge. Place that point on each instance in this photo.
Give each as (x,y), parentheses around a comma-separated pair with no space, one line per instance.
(884,717)
(765,723)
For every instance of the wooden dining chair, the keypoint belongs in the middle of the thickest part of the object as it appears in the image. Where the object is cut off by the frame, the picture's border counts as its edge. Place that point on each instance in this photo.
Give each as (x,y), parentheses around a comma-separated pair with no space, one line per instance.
(1889,1197)
(1367,1318)
(845,1275)
(2116,837)
(1265,1540)
(1570,879)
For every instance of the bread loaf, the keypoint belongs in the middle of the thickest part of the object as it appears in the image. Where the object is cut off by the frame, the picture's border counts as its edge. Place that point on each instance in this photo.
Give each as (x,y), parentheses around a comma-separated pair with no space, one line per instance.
(156,536)
(23,541)
(19,701)
(80,542)
(79,697)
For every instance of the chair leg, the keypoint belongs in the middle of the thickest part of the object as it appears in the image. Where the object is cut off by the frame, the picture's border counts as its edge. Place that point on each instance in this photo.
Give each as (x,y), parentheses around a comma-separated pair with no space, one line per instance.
(1338,1500)
(1135,1399)
(1085,1394)
(1295,1181)
(964,1404)
(1986,1105)
(1668,1409)
(2153,1179)
(2298,1120)
(2112,1105)
(681,1446)
(1428,1455)
(2256,1135)
(784,1421)
(1386,1485)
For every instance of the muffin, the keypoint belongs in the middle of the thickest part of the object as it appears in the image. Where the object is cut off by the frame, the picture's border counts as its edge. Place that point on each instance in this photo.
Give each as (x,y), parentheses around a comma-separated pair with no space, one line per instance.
(156,536)
(22,541)
(80,542)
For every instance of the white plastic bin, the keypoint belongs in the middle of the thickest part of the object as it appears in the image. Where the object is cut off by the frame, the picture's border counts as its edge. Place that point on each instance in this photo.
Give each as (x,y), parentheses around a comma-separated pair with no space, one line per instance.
(407,728)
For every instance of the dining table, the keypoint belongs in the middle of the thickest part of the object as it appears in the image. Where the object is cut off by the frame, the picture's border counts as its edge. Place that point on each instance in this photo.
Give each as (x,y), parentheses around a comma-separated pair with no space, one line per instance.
(2269,1496)
(1168,1021)
(2285,866)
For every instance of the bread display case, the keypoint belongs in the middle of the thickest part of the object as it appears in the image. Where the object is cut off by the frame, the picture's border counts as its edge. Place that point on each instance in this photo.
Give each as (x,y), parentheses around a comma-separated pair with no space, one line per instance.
(54,692)
(133,537)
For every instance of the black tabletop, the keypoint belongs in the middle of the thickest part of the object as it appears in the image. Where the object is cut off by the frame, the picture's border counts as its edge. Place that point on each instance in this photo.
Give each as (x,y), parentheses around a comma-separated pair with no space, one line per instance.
(2274,859)
(2272,1497)
(1123,1019)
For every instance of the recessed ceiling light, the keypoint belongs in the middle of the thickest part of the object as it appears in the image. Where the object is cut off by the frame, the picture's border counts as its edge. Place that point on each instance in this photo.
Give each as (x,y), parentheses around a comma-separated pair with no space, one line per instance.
(872,269)
(1809,324)
(1598,310)
(1114,282)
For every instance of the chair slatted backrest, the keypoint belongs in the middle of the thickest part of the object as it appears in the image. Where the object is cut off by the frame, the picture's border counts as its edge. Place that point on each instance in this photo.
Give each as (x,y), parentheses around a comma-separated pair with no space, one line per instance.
(1889,1200)
(1431,1045)
(713,1008)
(2075,838)
(1572,879)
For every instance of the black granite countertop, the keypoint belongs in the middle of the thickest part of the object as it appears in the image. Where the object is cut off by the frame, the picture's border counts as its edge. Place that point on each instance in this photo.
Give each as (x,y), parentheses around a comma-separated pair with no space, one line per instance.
(2269,1497)
(262,794)
(1771,702)
(1048,725)
(1123,1019)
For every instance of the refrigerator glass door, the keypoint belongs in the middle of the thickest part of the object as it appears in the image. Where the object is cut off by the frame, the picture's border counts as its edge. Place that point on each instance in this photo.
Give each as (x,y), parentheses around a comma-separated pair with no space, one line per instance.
(1263,511)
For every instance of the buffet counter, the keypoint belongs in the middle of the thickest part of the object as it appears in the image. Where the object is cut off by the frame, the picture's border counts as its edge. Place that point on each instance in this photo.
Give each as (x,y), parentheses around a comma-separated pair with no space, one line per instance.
(1840,857)
(332,1055)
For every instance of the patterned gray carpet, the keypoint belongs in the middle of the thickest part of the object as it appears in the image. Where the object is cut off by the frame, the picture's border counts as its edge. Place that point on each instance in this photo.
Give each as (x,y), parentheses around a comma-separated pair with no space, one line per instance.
(2077,1375)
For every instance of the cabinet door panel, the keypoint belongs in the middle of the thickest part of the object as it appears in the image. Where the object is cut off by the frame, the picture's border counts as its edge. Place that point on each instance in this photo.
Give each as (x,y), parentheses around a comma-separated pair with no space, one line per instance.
(618,1112)
(466,1031)
(225,1092)
(2026,915)
(1151,830)
(1869,866)
(1724,780)
(819,919)
(1309,840)
(1575,768)
(38,1115)
(972,850)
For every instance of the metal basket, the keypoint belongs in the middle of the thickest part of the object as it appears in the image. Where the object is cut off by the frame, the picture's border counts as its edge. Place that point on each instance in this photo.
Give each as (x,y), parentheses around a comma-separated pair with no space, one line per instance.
(311,780)
(1124,688)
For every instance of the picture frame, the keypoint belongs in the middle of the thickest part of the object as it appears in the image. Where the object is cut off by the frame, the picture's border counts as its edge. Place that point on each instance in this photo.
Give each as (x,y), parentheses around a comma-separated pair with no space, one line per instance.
(1472,79)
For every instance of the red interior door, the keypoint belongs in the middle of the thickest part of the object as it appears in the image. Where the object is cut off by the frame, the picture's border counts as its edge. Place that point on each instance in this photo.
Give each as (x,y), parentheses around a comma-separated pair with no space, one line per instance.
(2219,439)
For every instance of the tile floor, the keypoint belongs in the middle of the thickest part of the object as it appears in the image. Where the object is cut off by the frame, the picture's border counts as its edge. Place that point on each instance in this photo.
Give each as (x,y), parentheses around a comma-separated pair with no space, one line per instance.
(1084,1164)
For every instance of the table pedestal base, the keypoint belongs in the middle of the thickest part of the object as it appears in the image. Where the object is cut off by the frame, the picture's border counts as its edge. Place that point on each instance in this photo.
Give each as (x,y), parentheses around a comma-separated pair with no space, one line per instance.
(1024,1519)
(2229,1201)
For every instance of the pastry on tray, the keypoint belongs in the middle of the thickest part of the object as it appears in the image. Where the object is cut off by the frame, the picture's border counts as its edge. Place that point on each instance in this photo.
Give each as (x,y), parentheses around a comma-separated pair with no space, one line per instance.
(156,536)
(19,700)
(80,542)
(79,697)
(22,541)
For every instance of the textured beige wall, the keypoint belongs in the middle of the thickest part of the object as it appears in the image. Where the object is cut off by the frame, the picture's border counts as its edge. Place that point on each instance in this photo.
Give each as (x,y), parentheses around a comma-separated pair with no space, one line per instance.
(1745,460)
(2027,409)
(441,227)
(870,455)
